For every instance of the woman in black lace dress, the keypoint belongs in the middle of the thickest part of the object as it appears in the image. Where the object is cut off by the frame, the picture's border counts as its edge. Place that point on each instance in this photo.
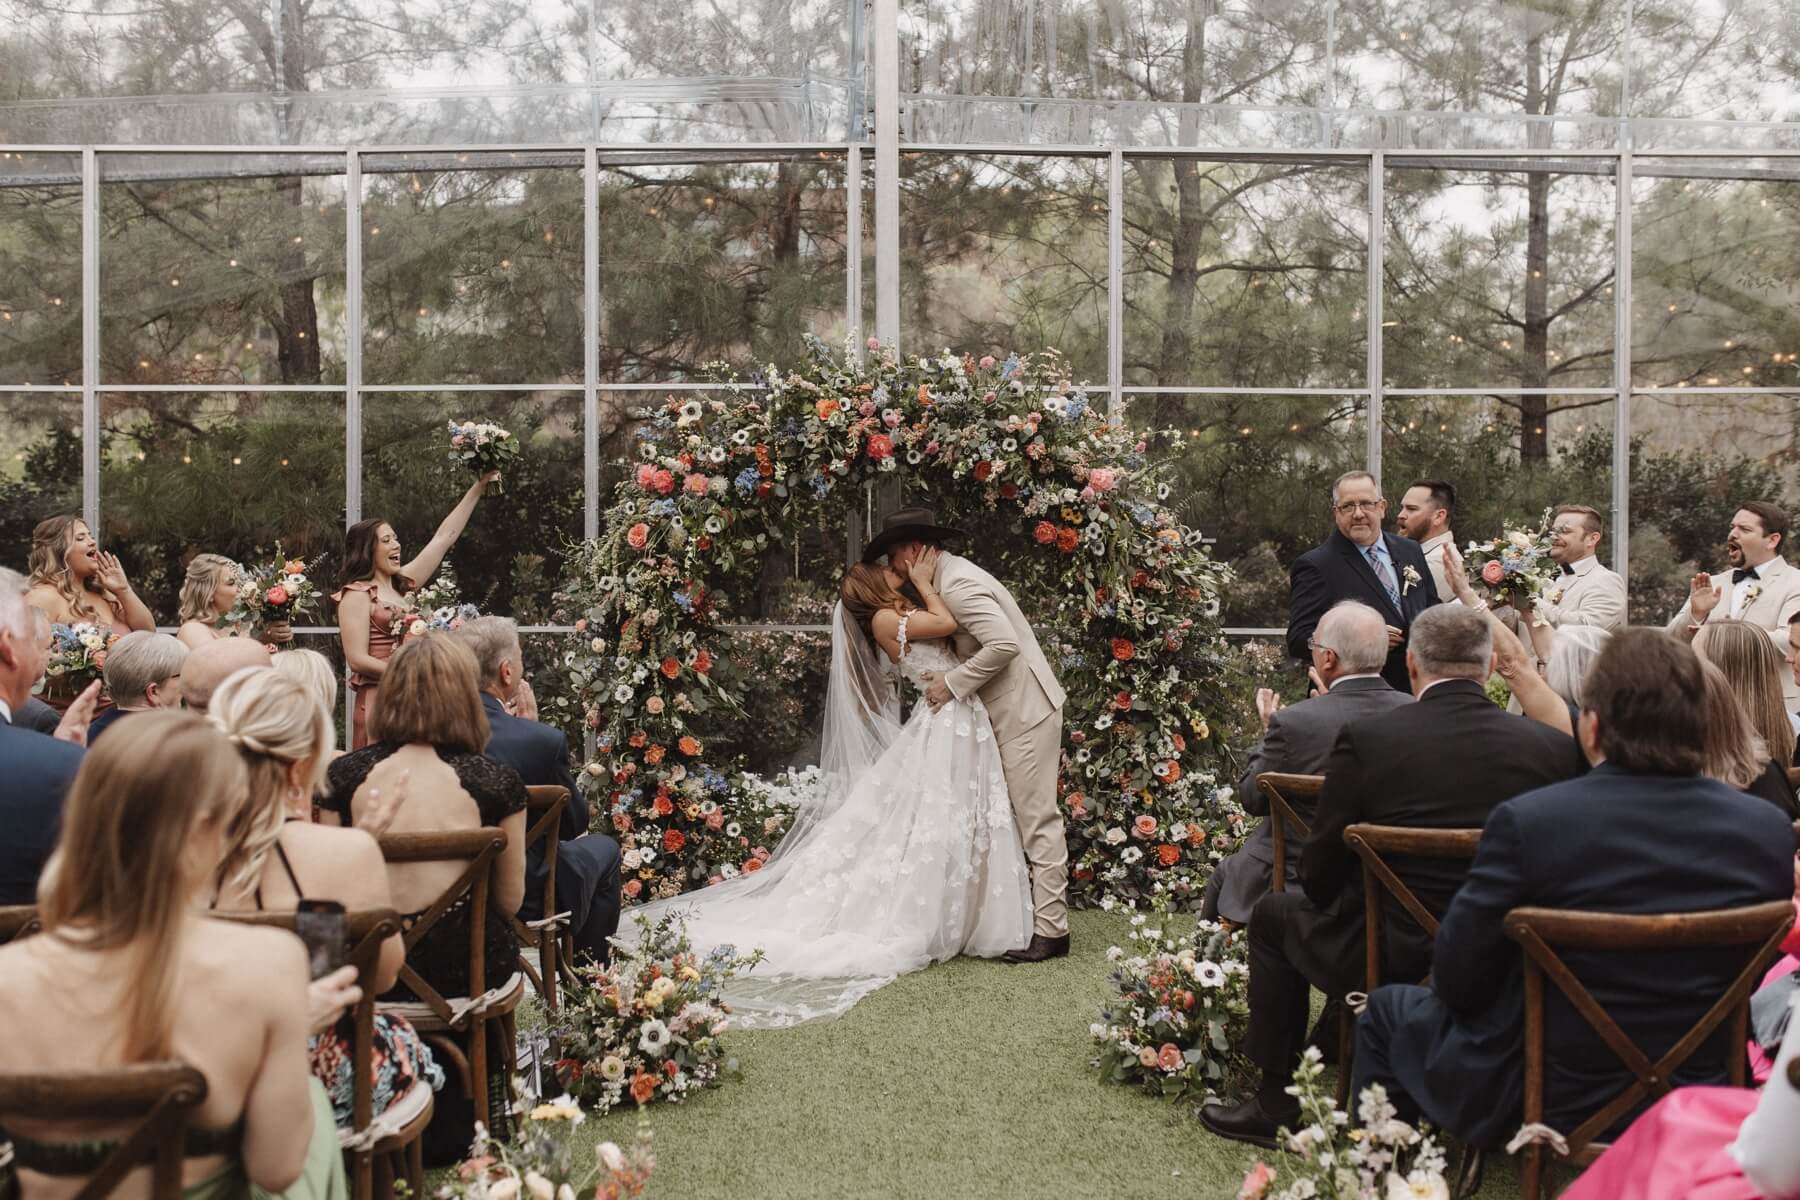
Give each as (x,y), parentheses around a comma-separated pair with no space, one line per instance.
(429,731)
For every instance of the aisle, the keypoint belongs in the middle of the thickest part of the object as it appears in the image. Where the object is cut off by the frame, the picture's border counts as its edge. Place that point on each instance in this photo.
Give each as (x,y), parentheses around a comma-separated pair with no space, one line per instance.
(968,1080)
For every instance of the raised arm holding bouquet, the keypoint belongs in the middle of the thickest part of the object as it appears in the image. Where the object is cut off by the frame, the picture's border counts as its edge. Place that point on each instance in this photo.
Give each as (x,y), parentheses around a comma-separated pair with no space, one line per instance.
(374,599)
(482,447)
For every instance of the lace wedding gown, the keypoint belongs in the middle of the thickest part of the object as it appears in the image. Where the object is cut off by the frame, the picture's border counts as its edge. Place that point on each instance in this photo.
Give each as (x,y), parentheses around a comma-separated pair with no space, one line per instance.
(917,862)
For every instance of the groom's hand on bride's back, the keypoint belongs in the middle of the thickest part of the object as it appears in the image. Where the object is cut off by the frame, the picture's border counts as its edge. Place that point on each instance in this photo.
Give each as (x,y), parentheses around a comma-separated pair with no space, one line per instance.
(937,692)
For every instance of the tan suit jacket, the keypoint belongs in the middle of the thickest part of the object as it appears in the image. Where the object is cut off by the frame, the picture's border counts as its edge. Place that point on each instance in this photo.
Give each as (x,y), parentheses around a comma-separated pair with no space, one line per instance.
(1594,595)
(1778,598)
(1434,562)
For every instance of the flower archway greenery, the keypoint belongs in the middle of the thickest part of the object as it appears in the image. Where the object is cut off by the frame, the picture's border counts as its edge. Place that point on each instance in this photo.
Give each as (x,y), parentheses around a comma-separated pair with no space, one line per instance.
(1069,513)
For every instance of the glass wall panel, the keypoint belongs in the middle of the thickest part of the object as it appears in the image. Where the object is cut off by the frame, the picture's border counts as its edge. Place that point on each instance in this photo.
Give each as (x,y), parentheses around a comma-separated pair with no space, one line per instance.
(1694,460)
(1716,60)
(736,39)
(724,260)
(472,268)
(1714,273)
(510,556)
(40,466)
(784,674)
(219,269)
(40,268)
(1004,252)
(1254,474)
(1563,57)
(1500,273)
(1245,274)
(56,51)
(222,472)
(1508,457)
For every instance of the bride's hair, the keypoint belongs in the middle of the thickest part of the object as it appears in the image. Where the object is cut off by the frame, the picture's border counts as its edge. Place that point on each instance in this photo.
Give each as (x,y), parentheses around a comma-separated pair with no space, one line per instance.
(866,591)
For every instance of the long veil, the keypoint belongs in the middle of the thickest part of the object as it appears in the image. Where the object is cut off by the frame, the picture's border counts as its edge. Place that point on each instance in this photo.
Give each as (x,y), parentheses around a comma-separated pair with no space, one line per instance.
(862,719)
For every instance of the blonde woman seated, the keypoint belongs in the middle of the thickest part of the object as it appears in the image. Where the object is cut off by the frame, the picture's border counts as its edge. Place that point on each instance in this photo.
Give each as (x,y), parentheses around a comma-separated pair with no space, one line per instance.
(1753,672)
(315,672)
(1735,752)
(275,858)
(209,591)
(128,969)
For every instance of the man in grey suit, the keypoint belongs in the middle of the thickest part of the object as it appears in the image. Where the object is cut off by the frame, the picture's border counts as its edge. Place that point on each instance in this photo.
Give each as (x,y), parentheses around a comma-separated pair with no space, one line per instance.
(1349,648)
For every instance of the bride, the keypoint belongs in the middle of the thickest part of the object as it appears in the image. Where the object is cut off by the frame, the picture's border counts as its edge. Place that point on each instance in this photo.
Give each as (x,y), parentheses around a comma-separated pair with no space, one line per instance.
(910,856)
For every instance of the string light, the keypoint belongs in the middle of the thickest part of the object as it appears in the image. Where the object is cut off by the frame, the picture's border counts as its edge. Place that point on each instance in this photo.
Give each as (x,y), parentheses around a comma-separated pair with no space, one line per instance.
(232,263)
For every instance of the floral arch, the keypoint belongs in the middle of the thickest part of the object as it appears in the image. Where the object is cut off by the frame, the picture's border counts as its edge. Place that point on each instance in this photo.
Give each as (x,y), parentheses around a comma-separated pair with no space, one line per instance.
(1071,517)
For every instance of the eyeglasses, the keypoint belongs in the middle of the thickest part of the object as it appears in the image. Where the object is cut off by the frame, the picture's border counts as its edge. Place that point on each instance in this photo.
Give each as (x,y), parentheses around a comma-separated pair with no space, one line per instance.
(1568,530)
(1354,506)
(1315,644)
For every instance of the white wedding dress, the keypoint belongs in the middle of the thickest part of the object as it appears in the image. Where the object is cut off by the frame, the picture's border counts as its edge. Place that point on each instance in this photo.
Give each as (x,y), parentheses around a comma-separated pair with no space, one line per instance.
(912,859)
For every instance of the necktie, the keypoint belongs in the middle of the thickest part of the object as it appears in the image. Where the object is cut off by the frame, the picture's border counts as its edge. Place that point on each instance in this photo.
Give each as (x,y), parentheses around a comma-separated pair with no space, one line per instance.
(1567,569)
(1743,573)
(1385,575)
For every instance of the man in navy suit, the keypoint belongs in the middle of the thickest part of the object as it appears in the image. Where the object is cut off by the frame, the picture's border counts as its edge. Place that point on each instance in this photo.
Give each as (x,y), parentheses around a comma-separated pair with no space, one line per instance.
(1643,832)
(38,768)
(587,864)
(1360,562)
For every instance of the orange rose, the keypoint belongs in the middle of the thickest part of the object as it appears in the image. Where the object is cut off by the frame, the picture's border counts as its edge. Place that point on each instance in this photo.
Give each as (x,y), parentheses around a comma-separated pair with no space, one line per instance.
(1179,742)
(632,888)
(663,806)
(1174,772)
(753,864)
(1123,650)
(1044,533)
(983,469)
(1067,539)
(1196,836)
(638,740)
(655,753)
(688,746)
(924,394)
(1169,1058)
(674,840)
(638,536)
(1122,701)
(825,408)
(643,1087)
(670,668)
(1168,855)
(702,663)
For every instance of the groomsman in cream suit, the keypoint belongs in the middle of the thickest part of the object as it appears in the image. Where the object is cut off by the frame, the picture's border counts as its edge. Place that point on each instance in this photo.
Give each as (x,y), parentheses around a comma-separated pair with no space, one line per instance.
(1004,666)
(1761,589)
(1585,592)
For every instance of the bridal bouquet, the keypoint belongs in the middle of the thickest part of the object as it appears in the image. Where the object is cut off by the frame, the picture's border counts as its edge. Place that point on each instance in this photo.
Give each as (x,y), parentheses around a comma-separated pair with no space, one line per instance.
(542,1162)
(279,591)
(77,655)
(441,592)
(1178,1011)
(482,447)
(647,1025)
(441,620)
(1383,1158)
(1514,566)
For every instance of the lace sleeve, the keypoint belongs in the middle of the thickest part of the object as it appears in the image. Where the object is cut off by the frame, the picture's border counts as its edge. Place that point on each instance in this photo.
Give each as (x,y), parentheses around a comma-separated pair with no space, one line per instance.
(497,788)
(904,618)
(346,775)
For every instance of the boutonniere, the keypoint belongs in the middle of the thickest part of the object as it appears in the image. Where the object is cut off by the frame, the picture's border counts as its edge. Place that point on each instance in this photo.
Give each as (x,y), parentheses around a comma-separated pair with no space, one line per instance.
(1556,596)
(1751,593)
(1411,577)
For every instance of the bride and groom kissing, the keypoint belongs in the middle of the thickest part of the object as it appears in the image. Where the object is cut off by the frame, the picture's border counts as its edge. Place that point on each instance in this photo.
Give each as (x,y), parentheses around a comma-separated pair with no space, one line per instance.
(934,836)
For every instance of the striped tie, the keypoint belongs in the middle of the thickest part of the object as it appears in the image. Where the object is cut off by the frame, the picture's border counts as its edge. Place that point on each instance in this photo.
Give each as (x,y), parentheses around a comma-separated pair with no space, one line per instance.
(1385,575)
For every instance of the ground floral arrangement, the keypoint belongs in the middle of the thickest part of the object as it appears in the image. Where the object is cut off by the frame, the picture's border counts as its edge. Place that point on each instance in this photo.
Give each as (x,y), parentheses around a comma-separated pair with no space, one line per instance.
(541,1163)
(1177,1011)
(646,1027)
(1073,519)
(1380,1158)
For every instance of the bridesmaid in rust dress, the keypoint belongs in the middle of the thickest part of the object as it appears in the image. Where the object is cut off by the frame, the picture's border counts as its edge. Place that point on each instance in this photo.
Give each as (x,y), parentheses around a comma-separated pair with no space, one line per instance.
(372,604)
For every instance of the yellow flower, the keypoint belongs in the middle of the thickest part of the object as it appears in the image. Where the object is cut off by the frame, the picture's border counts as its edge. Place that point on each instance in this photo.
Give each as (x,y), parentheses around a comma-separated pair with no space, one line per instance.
(555,1112)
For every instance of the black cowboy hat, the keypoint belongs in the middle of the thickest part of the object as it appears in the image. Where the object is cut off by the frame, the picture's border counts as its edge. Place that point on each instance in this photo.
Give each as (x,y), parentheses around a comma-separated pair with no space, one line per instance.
(907,525)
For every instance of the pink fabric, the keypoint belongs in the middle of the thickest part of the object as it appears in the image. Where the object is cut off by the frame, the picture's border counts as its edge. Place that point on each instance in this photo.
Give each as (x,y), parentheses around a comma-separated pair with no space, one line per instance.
(1675,1151)
(1760,1064)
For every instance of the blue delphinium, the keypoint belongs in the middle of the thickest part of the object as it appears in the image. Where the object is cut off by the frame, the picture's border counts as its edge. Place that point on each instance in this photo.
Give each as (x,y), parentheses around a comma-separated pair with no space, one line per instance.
(746,481)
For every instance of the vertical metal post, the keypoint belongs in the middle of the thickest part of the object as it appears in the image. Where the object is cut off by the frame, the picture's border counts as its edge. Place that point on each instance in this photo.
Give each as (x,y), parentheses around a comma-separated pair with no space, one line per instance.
(887,170)
(590,337)
(1115,286)
(353,346)
(90,340)
(1373,304)
(853,238)
(1621,464)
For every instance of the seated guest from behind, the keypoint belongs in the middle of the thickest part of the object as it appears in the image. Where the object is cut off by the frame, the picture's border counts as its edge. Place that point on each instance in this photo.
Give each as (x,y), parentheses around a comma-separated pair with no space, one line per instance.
(1441,763)
(274,857)
(1733,753)
(1349,648)
(128,969)
(214,663)
(143,672)
(1754,673)
(587,866)
(1643,832)
(38,768)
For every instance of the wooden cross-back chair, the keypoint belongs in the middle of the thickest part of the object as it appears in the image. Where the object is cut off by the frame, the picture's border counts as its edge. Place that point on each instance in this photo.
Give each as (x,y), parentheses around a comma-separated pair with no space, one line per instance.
(17,920)
(1287,827)
(465,1028)
(160,1097)
(373,1162)
(1374,845)
(545,805)
(1544,931)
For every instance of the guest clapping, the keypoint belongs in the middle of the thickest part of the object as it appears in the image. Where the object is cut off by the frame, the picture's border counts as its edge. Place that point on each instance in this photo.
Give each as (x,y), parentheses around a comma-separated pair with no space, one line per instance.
(371,599)
(1761,589)
(142,672)
(129,970)
(274,858)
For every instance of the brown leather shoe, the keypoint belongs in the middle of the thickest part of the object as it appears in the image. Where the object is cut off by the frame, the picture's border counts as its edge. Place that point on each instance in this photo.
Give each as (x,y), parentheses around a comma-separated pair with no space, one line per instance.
(1039,949)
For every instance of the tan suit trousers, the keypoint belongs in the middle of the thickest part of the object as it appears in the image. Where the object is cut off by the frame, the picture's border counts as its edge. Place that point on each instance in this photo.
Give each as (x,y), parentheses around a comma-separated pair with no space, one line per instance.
(1030,761)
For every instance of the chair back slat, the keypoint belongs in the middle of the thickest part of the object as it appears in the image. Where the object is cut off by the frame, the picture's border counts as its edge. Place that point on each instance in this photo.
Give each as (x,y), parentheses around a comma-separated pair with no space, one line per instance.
(1373,846)
(1285,825)
(545,805)
(161,1097)
(478,849)
(1542,932)
(17,921)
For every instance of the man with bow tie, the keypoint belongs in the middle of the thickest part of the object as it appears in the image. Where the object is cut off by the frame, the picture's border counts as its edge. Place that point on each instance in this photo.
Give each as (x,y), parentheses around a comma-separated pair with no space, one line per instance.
(1585,592)
(1763,590)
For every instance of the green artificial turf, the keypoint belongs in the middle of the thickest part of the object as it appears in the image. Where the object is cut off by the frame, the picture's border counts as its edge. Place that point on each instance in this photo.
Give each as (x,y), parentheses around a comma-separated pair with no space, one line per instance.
(970,1079)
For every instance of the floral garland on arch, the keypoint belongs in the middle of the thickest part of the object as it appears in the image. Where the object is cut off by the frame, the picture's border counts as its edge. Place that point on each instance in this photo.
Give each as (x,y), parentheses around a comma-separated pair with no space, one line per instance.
(1072,516)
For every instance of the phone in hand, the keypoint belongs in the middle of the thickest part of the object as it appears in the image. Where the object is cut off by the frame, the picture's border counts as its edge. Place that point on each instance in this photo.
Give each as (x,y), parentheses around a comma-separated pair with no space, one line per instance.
(320,924)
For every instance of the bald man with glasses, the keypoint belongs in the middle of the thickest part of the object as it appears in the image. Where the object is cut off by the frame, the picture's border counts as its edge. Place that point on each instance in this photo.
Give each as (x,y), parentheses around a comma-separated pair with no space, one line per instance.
(1360,562)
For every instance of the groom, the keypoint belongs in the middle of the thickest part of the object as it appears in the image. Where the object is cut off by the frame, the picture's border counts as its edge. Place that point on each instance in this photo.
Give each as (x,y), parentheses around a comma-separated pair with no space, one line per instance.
(1003,665)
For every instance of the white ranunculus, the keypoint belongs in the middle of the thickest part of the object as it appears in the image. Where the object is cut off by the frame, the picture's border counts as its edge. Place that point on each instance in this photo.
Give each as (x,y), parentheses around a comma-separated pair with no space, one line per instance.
(505,1189)
(609,1157)
(539,1187)
(1115,836)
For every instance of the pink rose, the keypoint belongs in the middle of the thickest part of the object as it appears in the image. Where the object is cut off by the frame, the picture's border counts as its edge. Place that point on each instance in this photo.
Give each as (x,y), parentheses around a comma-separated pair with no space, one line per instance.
(987,362)
(1144,826)
(1256,1183)
(662,480)
(1169,1057)
(458,440)
(932,446)
(891,418)
(1102,479)
(866,408)
(646,475)
(1492,572)
(715,819)
(695,484)
(1147,1057)
(873,343)
(277,596)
